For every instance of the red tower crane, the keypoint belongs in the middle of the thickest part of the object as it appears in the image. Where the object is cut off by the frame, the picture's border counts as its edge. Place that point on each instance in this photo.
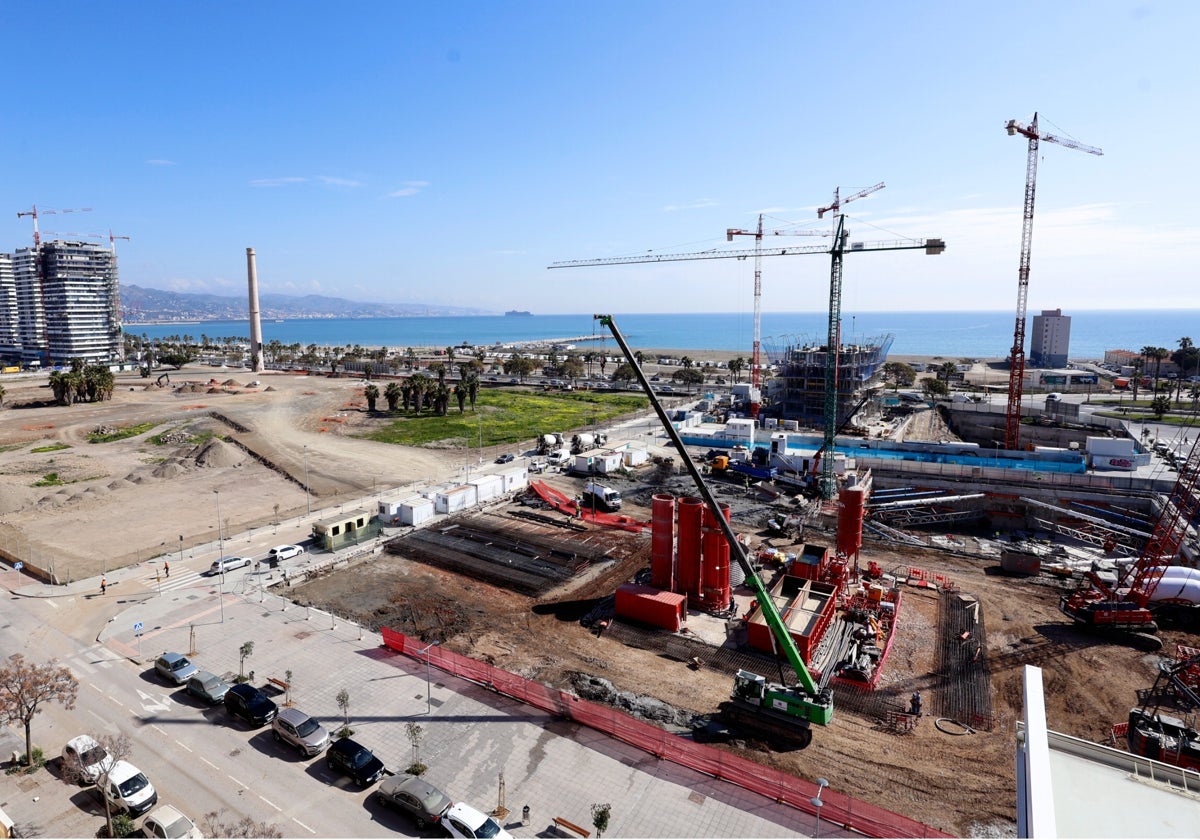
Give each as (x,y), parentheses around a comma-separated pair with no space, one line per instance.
(37,237)
(756,353)
(1016,370)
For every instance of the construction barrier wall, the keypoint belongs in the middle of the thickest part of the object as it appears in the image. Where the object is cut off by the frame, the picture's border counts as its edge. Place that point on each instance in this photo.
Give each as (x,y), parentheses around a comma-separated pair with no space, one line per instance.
(839,809)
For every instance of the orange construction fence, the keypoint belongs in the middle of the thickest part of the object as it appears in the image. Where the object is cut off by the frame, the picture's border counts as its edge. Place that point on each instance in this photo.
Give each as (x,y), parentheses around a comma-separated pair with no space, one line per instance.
(863,817)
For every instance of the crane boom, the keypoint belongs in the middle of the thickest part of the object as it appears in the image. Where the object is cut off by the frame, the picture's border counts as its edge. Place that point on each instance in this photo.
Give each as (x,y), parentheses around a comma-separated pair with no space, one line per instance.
(1016,369)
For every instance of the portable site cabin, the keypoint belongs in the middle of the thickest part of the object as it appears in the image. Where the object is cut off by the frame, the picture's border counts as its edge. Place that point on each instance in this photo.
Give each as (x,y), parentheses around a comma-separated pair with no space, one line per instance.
(597,462)
(389,512)
(454,499)
(345,529)
(635,457)
(487,487)
(514,478)
(416,510)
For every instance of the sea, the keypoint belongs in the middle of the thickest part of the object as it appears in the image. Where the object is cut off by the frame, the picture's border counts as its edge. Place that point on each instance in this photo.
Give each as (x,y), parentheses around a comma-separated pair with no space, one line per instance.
(953,335)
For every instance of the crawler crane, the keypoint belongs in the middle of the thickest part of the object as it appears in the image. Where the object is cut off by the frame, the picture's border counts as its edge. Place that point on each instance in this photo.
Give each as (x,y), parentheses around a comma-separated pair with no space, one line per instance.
(782,713)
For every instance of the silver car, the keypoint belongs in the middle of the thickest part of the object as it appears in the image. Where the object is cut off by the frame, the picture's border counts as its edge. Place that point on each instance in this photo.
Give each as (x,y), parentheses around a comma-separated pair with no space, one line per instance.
(227,564)
(304,732)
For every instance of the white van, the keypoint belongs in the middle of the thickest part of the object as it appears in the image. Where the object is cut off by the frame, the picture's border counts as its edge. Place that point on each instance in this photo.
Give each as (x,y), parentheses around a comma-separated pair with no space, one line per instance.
(599,496)
(129,790)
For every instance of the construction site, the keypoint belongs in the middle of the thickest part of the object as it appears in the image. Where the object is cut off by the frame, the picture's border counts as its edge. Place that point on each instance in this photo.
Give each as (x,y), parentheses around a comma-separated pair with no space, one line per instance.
(813,576)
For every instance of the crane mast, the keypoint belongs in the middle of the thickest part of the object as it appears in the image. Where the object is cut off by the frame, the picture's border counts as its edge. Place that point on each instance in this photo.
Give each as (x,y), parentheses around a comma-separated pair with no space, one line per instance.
(1016,370)
(756,353)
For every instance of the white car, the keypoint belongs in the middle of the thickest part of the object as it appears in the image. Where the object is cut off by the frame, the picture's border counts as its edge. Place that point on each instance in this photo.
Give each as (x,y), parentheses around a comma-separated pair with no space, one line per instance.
(86,759)
(129,790)
(284,552)
(464,821)
(169,821)
(227,564)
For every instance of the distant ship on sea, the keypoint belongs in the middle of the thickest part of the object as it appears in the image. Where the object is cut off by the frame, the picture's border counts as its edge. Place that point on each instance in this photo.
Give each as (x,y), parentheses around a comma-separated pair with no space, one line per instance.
(519,312)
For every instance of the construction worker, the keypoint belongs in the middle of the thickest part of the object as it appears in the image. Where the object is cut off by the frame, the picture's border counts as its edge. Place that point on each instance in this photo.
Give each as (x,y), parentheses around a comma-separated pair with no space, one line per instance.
(103,585)
(915,704)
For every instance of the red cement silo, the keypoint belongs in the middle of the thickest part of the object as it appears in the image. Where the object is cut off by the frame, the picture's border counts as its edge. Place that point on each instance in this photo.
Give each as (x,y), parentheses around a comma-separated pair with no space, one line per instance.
(662,542)
(687,563)
(714,566)
(850,520)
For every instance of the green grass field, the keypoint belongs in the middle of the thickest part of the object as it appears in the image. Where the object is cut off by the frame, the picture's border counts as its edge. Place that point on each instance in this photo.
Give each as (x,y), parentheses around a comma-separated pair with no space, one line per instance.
(504,416)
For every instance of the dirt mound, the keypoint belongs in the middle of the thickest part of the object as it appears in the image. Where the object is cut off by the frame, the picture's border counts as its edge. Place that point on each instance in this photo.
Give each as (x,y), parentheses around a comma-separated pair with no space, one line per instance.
(231,383)
(216,453)
(190,388)
(169,469)
(269,388)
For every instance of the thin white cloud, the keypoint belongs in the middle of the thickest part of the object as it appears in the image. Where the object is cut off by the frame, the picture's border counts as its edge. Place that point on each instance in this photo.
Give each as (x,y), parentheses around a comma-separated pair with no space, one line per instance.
(698,204)
(330,180)
(277,182)
(160,162)
(409,188)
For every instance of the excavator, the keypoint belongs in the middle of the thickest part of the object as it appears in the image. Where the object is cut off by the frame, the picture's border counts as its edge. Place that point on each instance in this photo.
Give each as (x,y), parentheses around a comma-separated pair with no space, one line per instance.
(779,712)
(1163,737)
(1128,607)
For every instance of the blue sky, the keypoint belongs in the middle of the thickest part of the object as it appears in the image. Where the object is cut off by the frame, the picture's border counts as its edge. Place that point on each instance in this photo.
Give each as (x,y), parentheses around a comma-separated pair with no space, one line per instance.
(449,152)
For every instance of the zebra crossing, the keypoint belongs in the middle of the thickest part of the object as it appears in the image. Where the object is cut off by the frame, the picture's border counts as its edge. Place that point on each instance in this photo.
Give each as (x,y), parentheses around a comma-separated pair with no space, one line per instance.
(154,580)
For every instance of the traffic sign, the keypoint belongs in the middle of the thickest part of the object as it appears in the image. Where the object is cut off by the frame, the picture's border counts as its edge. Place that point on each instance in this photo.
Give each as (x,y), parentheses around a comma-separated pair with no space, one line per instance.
(137,628)
(18,565)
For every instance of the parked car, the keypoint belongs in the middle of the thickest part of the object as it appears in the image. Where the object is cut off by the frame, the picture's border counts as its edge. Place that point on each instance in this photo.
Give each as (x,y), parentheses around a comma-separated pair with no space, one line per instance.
(129,790)
(207,686)
(86,759)
(302,731)
(169,821)
(415,797)
(464,821)
(352,759)
(506,458)
(285,552)
(227,564)
(175,667)
(251,705)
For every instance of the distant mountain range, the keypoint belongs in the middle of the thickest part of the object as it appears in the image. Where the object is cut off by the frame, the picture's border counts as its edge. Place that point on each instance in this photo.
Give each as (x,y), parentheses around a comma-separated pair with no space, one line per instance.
(142,306)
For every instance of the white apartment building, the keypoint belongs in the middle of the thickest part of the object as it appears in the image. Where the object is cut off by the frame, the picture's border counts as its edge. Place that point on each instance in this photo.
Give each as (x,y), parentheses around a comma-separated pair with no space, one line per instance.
(67,303)
(1050,339)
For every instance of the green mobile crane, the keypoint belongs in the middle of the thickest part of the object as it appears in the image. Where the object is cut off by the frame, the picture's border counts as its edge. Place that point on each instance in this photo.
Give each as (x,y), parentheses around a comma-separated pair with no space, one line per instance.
(784,713)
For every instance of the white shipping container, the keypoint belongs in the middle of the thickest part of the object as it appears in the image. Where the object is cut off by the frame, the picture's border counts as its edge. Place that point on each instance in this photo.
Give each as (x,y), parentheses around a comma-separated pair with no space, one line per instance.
(635,457)
(454,499)
(514,478)
(487,487)
(415,511)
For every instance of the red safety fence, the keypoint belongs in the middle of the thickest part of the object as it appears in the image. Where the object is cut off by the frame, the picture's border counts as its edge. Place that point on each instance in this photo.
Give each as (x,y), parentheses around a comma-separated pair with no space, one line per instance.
(863,817)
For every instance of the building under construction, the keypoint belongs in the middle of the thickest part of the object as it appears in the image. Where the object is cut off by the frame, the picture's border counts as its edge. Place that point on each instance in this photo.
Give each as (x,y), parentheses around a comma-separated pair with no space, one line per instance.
(797,391)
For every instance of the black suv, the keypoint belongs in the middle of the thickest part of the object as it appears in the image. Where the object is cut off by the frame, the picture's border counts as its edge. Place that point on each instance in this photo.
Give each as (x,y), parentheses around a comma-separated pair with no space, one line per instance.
(354,760)
(251,705)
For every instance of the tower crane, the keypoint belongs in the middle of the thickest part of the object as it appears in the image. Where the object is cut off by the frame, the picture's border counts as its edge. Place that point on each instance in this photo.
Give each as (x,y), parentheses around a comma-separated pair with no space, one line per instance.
(37,237)
(112,240)
(1016,370)
(930,246)
(834,340)
(756,354)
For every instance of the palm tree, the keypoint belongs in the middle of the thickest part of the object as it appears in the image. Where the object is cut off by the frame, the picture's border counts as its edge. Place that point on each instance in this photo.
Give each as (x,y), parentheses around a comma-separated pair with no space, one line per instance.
(392,394)
(472,382)
(1157,354)
(640,357)
(460,394)
(371,392)
(687,362)
(736,367)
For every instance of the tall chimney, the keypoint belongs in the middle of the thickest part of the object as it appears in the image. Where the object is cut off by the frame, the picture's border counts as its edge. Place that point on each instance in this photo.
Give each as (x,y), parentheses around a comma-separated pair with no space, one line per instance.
(256,342)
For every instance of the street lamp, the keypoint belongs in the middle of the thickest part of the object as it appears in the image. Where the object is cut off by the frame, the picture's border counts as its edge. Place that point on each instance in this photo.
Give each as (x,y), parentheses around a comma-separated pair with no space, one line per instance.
(818,803)
(428,691)
(307,506)
(181,550)
(220,541)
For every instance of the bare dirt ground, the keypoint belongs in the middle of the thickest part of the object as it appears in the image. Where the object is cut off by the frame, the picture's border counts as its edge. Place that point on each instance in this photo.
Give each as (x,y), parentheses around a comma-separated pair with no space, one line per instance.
(127,500)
